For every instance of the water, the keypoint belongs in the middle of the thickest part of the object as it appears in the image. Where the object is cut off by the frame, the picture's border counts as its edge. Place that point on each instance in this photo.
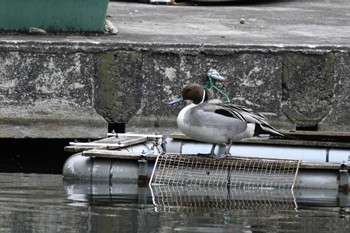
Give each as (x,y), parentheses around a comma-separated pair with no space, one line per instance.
(45,203)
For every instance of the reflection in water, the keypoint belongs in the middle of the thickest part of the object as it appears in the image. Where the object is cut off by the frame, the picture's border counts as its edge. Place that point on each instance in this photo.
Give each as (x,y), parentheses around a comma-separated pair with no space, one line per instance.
(35,203)
(204,199)
(43,203)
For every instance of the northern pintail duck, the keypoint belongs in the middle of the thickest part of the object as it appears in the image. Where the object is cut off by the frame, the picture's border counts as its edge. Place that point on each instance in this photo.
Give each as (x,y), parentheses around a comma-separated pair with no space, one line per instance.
(216,122)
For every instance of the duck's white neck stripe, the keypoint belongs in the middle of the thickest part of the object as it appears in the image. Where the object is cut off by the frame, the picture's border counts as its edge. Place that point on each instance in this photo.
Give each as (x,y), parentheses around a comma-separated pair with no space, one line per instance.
(203,98)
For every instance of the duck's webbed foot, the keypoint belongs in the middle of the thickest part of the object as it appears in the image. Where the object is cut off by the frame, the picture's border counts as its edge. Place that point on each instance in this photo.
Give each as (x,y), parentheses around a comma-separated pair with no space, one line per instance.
(221,156)
(226,152)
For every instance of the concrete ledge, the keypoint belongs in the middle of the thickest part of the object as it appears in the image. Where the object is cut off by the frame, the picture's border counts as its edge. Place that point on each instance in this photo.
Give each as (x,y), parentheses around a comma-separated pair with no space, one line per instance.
(88,81)
(62,123)
(297,88)
(116,82)
(47,91)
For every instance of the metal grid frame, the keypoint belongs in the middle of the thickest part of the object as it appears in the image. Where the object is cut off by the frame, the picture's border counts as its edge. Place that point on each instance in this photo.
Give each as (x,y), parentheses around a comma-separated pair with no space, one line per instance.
(232,172)
(171,198)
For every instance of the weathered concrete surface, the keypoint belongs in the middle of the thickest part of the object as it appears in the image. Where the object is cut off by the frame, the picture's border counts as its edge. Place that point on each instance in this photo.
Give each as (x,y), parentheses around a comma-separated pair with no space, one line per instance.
(276,23)
(339,115)
(283,84)
(290,59)
(46,93)
(307,87)
(118,86)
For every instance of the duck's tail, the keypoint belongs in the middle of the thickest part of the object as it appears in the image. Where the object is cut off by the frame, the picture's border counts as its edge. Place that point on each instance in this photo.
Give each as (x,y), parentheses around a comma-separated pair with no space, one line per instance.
(266,129)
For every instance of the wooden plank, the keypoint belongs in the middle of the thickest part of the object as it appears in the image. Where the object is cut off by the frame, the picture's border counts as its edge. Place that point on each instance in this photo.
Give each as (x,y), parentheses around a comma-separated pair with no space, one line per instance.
(149,136)
(133,141)
(179,136)
(109,142)
(117,154)
(304,143)
(109,145)
(101,153)
(91,145)
(111,154)
(284,142)
(320,166)
(316,133)
(74,149)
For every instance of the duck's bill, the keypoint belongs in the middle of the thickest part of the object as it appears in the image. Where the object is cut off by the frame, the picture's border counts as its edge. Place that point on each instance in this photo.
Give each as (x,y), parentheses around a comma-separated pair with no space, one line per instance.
(177,100)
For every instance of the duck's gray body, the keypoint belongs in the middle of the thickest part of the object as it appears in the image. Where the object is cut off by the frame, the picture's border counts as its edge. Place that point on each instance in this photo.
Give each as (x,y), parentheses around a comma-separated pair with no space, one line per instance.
(218,123)
(200,122)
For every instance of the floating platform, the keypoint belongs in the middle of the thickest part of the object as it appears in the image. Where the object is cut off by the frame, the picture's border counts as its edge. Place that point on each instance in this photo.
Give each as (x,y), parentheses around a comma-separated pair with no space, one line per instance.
(167,172)
(130,158)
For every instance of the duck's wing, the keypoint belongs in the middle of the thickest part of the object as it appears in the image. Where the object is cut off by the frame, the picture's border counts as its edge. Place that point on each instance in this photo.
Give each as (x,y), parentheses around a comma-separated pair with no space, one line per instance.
(244,114)
(228,112)
(248,116)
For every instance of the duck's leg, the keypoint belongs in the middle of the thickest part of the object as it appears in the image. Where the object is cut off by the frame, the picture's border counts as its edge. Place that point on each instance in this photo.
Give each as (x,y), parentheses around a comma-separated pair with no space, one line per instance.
(212,150)
(227,151)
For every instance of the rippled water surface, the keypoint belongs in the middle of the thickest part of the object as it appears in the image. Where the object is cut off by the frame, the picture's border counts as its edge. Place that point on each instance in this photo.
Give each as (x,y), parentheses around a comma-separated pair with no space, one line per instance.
(44,203)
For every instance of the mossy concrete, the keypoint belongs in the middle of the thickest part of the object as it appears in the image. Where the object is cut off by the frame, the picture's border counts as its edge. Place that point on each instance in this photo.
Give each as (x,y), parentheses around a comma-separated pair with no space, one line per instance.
(118,85)
(308,83)
(47,93)
(62,85)
(293,67)
(295,89)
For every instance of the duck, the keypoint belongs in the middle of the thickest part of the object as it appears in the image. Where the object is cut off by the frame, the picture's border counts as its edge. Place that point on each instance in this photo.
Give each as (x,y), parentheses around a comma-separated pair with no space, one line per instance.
(215,122)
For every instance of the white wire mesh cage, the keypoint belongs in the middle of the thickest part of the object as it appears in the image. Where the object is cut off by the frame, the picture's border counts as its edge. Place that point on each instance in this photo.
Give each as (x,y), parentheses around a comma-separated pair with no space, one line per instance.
(172,198)
(194,183)
(233,171)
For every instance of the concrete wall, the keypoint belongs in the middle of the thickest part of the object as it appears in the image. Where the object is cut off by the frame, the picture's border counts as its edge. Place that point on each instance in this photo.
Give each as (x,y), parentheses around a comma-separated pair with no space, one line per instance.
(298,87)
(72,89)
(47,91)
